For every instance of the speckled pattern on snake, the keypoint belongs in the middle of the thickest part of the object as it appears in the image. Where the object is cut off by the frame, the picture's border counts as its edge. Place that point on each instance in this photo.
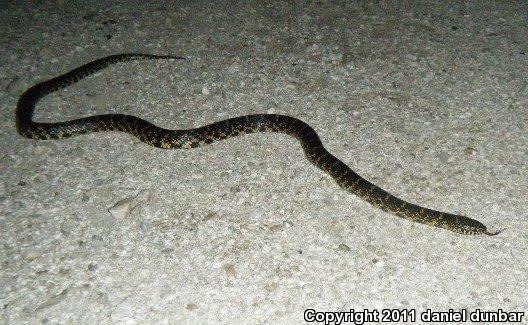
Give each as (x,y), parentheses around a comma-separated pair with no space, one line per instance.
(183,139)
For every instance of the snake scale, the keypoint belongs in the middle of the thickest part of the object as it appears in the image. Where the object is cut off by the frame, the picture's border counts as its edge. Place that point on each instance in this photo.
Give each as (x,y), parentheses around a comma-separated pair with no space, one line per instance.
(183,139)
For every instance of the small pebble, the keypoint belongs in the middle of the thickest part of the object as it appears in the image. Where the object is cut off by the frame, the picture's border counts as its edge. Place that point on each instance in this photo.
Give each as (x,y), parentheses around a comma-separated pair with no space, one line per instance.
(255,215)
(230,269)
(343,248)
(470,151)
(277,227)
(122,208)
(210,215)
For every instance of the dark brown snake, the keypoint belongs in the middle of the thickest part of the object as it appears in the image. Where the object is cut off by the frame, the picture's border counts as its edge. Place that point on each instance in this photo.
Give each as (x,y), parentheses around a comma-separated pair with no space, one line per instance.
(183,139)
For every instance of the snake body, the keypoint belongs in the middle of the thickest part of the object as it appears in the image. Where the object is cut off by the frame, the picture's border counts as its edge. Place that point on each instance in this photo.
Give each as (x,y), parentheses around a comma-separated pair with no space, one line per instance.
(190,138)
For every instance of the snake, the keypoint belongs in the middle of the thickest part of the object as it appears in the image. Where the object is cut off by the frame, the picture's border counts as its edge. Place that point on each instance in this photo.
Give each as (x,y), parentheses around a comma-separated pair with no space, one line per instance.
(163,138)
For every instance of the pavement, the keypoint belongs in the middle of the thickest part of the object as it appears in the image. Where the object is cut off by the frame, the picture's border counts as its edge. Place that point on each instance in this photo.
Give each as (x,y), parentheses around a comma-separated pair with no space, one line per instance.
(428,100)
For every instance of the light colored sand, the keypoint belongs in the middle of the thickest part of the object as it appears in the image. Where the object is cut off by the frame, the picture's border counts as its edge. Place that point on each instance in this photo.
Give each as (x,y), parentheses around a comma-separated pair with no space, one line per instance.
(428,102)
